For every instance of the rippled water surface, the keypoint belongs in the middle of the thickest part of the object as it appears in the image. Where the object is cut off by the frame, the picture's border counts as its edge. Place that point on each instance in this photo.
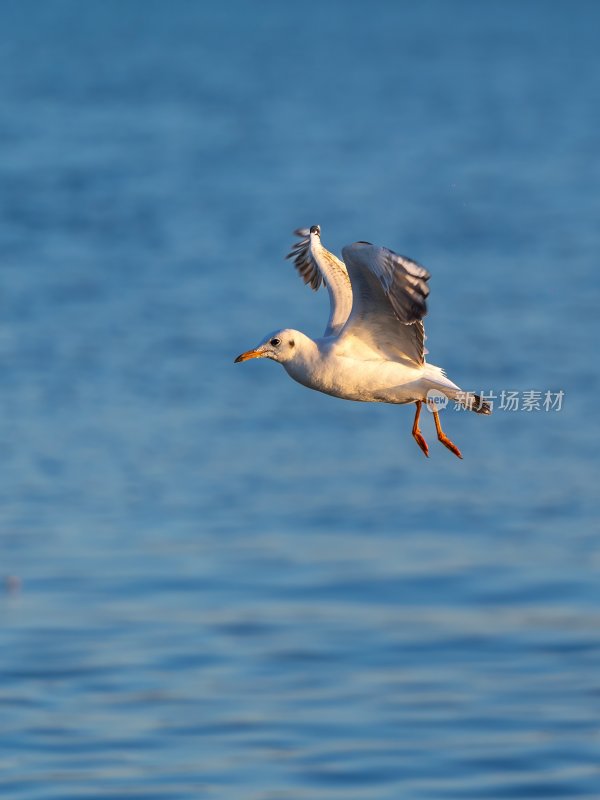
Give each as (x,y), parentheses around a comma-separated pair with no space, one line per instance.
(217,584)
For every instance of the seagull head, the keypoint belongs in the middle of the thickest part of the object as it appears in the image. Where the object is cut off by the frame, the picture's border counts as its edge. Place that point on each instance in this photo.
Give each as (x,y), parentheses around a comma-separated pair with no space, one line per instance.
(278,346)
(316,230)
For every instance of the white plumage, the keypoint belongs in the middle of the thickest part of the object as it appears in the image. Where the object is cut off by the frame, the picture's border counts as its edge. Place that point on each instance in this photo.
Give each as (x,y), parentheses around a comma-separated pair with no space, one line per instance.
(372,349)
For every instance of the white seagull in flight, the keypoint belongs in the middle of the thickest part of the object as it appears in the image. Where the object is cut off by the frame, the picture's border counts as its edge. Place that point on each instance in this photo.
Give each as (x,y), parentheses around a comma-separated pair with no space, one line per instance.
(373,346)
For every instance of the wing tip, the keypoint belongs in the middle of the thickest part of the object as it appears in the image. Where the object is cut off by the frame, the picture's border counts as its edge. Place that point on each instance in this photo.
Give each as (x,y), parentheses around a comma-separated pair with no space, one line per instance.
(303,260)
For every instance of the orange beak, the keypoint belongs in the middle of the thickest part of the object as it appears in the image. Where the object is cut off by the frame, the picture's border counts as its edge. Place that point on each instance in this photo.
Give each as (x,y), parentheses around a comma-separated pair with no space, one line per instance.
(248,355)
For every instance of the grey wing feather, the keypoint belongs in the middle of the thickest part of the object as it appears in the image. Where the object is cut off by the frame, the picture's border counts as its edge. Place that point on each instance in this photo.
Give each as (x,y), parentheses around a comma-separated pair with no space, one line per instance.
(390,294)
(316,266)
(404,282)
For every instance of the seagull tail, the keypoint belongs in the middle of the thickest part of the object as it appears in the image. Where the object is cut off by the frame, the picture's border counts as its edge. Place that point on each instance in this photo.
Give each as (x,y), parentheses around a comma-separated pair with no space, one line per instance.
(437,379)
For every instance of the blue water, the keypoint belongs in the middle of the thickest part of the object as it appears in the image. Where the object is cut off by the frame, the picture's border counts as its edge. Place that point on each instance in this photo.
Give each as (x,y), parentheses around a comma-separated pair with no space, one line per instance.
(217,584)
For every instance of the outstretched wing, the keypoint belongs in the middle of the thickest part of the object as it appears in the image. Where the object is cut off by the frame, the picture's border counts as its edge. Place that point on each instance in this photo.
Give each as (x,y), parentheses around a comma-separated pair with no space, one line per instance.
(390,300)
(317,265)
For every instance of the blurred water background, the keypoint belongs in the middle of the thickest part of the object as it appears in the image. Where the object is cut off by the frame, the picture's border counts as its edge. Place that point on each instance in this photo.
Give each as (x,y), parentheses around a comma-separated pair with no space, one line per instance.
(218,584)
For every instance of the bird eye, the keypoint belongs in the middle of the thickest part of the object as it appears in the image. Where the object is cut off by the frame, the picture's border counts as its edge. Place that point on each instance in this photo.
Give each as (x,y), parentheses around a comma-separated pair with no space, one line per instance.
(275,342)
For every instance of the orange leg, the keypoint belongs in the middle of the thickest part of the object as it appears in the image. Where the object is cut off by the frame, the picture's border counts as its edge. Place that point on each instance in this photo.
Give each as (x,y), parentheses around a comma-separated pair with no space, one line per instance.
(416,431)
(443,438)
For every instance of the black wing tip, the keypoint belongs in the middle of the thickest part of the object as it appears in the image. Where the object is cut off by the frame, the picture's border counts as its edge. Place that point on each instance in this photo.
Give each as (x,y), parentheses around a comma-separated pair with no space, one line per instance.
(411,304)
(410,266)
(299,248)
(479,406)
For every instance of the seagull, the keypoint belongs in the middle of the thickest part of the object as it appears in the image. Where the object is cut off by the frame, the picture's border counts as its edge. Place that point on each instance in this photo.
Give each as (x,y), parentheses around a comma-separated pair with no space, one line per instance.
(372,349)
